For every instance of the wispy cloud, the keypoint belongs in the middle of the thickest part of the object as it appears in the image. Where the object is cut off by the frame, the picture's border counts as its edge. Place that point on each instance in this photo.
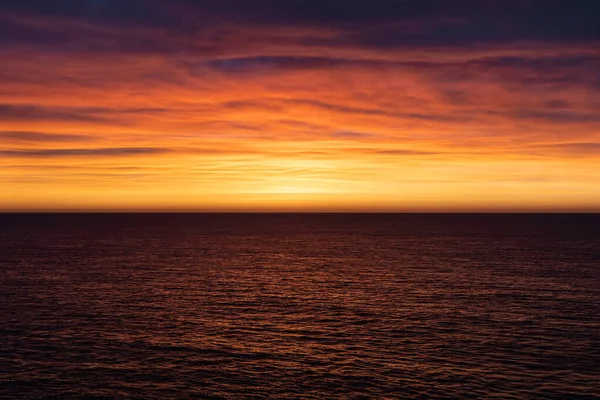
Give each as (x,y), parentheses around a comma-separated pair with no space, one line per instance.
(91,152)
(353,135)
(22,136)
(566,117)
(572,149)
(407,152)
(13,112)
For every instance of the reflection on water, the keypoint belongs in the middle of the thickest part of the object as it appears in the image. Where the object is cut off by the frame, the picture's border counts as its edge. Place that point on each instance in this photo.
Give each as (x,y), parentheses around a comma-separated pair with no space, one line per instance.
(300,306)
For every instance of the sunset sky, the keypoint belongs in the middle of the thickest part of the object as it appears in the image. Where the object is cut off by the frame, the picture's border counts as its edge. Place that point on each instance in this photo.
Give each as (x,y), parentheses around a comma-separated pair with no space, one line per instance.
(289,105)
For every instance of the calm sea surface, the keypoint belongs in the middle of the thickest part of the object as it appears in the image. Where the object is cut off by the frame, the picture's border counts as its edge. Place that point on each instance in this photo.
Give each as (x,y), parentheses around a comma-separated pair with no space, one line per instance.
(299,306)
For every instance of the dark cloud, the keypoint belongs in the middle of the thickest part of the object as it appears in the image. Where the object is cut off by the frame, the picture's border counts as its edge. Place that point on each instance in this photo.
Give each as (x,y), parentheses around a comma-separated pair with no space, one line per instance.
(556,71)
(266,63)
(542,71)
(21,112)
(115,152)
(567,117)
(107,11)
(376,111)
(100,152)
(539,64)
(559,70)
(475,25)
(381,24)
(557,103)
(340,108)
(385,23)
(250,104)
(10,112)
(42,137)
(57,38)
(56,32)
(547,64)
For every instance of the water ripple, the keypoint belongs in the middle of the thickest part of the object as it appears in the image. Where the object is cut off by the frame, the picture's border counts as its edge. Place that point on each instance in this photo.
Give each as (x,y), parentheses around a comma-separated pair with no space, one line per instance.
(300,306)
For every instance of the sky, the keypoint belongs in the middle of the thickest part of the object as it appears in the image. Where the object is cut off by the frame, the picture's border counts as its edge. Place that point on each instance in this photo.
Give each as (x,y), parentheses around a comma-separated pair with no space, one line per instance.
(312,105)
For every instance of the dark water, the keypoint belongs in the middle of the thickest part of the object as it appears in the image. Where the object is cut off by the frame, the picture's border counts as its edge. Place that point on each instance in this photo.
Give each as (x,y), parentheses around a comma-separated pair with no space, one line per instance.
(300,306)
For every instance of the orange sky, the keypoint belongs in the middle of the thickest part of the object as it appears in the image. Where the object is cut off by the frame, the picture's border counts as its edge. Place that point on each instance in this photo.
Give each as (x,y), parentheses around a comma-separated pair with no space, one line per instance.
(263,121)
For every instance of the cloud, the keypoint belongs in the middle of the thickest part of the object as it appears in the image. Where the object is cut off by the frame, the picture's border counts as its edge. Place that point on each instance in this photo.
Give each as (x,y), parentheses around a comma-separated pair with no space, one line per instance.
(543,70)
(104,115)
(561,117)
(20,136)
(387,23)
(92,152)
(339,108)
(250,105)
(105,12)
(557,103)
(572,149)
(407,152)
(176,26)
(383,112)
(559,69)
(10,112)
(269,63)
(352,135)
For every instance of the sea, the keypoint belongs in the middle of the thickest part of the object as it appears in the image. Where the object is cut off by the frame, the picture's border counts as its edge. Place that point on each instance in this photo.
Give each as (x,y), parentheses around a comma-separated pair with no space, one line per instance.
(300,306)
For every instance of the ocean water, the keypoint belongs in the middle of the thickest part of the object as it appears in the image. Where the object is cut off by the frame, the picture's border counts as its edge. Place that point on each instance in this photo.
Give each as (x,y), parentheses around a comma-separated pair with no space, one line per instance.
(293,306)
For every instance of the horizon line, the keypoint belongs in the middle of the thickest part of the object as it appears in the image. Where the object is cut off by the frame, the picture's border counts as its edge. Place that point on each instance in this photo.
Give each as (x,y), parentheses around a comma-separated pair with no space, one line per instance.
(473,212)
